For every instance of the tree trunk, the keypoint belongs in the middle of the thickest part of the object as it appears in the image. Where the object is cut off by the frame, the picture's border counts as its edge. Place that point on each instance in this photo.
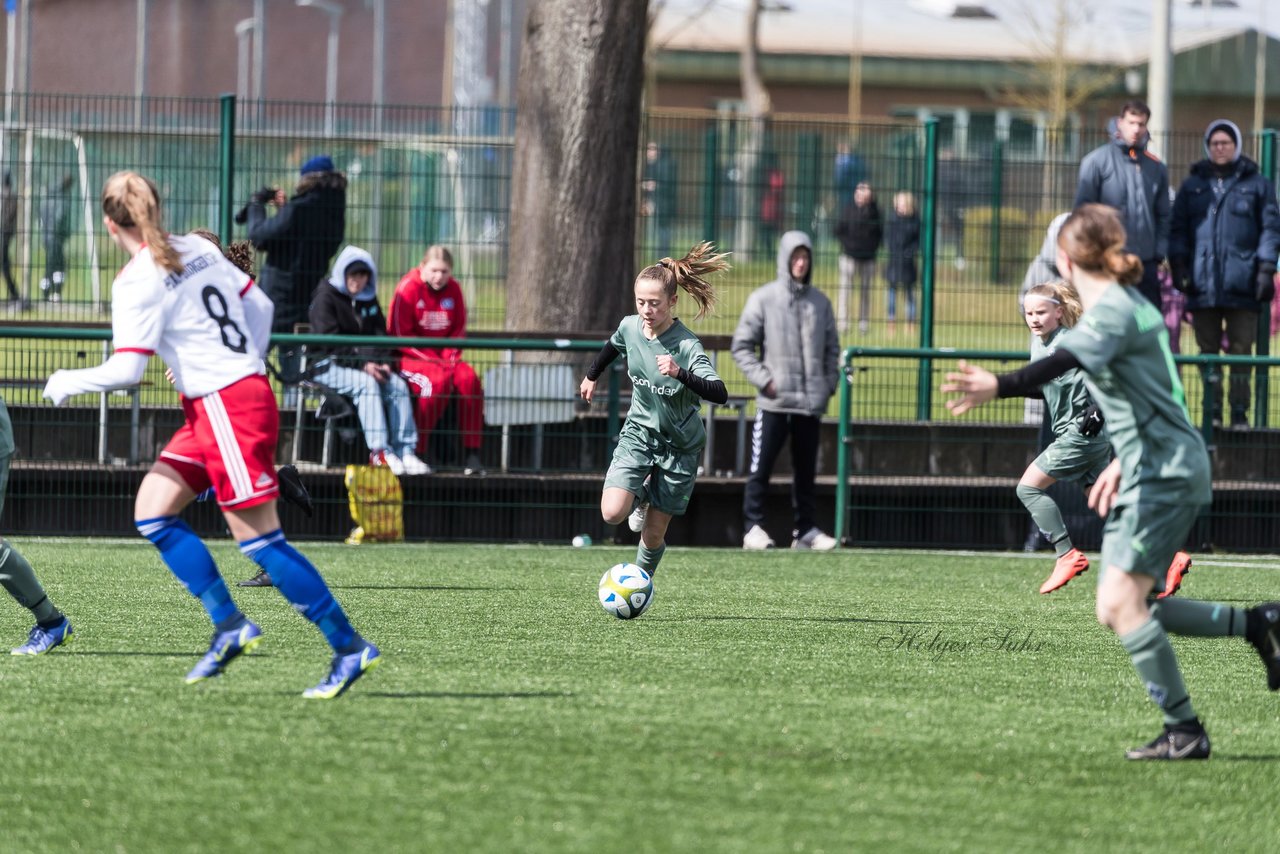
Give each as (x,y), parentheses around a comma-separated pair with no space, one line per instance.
(573,200)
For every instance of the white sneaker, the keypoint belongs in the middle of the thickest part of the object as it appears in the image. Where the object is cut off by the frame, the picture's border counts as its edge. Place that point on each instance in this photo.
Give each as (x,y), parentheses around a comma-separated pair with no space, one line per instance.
(388,459)
(814,539)
(413,464)
(638,513)
(757,539)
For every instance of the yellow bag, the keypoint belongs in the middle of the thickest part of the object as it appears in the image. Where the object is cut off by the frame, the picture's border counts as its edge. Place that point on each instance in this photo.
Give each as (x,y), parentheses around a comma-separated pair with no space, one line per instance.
(377,505)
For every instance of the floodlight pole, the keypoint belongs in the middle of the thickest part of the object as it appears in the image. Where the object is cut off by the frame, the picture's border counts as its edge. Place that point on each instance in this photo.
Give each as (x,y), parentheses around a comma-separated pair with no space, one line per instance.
(244,31)
(331,69)
(1159,95)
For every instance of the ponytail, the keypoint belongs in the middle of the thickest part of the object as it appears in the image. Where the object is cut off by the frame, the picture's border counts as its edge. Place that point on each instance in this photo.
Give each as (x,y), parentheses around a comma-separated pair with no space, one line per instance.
(1093,238)
(131,200)
(690,273)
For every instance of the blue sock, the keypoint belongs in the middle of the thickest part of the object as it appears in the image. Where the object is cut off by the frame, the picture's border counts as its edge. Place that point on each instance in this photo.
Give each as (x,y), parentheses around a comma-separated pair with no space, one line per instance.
(301,584)
(189,560)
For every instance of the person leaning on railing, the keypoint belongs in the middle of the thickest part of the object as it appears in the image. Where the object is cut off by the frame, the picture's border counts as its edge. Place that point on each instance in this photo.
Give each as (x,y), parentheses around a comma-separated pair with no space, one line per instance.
(1222,247)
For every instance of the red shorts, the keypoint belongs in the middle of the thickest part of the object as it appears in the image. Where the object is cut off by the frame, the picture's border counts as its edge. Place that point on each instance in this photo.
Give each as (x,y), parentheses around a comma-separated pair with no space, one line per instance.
(229,443)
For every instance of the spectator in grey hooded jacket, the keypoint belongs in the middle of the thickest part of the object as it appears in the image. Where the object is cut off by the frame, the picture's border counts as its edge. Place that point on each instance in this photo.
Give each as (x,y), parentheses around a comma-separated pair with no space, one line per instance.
(1223,248)
(1124,175)
(787,346)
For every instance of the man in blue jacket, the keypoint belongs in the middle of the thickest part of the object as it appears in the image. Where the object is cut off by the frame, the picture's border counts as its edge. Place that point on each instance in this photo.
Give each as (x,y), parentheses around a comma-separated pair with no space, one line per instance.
(1222,248)
(1124,175)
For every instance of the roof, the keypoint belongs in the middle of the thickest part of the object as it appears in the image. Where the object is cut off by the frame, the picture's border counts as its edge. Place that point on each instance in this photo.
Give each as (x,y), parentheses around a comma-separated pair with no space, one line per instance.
(1101,31)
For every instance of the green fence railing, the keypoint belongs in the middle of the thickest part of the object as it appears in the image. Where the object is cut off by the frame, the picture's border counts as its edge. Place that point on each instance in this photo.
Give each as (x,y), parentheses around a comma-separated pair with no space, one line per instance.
(966,467)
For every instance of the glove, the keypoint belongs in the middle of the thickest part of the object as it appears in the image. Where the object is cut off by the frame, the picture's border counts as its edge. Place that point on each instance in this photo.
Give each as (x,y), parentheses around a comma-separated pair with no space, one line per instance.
(1180,271)
(292,489)
(1266,287)
(1091,421)
(58,389)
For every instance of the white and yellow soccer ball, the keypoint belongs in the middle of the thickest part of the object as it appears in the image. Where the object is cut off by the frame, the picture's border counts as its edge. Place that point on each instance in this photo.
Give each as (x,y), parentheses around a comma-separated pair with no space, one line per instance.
(626,591)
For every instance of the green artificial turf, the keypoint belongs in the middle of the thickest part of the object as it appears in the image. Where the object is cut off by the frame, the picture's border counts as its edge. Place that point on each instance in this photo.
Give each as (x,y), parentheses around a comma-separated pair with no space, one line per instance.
(852,701)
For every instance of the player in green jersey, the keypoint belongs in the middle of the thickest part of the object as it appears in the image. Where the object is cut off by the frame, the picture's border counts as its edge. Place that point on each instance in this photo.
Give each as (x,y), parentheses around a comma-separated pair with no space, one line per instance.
(656,460)
(1158,483)
(16,576)
(1077,451)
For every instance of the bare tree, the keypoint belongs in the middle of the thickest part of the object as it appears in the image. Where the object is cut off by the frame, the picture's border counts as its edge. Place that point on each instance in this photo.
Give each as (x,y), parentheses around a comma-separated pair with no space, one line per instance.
(1055,83)
(573,201)
(757,106)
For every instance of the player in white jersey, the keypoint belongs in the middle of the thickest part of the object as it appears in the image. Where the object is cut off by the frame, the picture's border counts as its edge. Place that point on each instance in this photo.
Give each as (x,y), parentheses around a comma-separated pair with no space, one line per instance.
(178,297)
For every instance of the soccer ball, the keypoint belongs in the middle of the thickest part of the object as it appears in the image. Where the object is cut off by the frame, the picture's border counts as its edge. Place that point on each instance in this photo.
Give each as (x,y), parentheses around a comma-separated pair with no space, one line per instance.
(626,591)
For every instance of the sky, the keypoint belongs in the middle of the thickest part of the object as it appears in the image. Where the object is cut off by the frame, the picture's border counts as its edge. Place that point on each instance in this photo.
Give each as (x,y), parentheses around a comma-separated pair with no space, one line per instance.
(1103,30)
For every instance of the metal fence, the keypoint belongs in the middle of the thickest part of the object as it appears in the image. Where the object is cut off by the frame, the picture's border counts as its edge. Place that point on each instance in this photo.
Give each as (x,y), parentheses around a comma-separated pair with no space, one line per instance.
(543,450)
(895,479)
(423,175)
(949,482)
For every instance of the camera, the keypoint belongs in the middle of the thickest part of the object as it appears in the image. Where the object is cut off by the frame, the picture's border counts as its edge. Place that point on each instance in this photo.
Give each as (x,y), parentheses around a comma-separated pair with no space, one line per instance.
(260,197)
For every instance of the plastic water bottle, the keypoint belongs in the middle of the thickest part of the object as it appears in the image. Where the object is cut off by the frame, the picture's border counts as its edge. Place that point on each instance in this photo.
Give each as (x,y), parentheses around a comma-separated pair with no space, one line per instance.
(581,541)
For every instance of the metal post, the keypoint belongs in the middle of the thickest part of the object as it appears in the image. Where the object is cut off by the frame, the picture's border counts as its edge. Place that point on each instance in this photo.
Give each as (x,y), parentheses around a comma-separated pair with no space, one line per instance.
(139,62)
(226,165)
(842,449)
(1261,389)
(331,76)
(244,31)
(928,248)
(259,54)
(331,68)
(710,184)
(997,206)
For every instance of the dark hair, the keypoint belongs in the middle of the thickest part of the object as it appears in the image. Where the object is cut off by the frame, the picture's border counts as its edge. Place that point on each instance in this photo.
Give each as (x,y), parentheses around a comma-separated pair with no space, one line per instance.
(1136,107)
(239,252)
(690,273)
(1093,239)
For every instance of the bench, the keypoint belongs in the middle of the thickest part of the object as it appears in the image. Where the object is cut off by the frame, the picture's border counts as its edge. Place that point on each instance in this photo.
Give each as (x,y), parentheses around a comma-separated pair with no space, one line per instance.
(529,394)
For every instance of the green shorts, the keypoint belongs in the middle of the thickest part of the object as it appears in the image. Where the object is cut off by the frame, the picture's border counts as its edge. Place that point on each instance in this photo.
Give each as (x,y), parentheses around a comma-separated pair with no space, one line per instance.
(1073,457)
(1142,538)
(671,475)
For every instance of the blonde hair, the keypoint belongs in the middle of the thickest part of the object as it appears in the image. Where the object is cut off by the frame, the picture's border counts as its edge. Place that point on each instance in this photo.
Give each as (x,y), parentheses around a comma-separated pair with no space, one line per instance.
(1062,293)
(906,200)
(690,273)
(1093,238)
(436,252)
(131,200)
(239,252)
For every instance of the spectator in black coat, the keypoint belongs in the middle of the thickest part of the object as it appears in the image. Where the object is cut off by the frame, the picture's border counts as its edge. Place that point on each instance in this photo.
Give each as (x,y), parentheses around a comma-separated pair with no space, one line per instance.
(8,228)
(902,238)
(1223,243)
(860,233)
(298,241)
(55,220)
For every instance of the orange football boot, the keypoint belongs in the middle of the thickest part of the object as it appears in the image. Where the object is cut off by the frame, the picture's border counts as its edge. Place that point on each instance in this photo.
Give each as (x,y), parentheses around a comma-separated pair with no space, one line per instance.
(1068,567)
(1177,571)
